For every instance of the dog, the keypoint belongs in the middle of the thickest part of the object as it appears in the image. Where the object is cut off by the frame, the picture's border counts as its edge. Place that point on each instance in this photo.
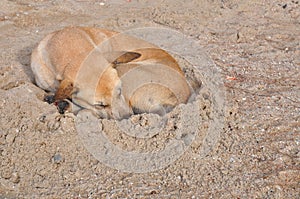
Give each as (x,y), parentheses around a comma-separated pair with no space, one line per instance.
(112,74)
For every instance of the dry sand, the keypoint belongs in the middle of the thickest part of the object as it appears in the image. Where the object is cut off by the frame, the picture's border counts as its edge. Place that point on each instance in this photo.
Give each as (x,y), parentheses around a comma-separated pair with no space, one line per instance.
(239,138)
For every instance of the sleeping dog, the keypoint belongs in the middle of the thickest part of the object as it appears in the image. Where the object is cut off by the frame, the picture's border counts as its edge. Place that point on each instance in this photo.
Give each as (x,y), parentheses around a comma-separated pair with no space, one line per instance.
(112,74)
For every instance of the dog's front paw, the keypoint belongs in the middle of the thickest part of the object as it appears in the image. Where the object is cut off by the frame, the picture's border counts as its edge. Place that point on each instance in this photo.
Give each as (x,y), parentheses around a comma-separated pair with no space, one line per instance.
(49,99)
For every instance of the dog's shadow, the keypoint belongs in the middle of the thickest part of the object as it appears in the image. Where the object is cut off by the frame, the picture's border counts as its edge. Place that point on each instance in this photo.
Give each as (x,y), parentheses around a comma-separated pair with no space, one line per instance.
(24,58)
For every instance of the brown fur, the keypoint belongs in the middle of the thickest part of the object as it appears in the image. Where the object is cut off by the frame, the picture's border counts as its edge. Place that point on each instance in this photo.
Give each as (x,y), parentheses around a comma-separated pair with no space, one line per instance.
(101,68)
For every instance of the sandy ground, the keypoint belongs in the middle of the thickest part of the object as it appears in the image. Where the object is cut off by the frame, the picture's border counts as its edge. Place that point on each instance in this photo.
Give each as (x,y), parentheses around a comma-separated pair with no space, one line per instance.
(253,153)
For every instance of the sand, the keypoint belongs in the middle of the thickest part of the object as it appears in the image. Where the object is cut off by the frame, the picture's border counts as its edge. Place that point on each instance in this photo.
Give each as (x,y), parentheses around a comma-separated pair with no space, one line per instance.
(238,137)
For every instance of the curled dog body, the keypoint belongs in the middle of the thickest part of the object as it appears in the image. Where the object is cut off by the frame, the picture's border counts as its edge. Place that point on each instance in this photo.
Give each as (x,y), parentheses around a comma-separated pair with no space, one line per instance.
(110,73)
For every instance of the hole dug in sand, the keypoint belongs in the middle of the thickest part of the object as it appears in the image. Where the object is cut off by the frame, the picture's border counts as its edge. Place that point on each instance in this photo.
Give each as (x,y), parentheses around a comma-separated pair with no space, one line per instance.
(148,142)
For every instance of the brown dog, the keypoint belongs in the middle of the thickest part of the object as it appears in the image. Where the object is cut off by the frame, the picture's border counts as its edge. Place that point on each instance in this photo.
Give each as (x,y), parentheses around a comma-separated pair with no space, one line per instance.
(112,74)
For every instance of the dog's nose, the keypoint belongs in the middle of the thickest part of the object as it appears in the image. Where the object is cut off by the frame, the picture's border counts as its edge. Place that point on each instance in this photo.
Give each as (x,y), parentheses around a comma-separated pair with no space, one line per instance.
(62,106)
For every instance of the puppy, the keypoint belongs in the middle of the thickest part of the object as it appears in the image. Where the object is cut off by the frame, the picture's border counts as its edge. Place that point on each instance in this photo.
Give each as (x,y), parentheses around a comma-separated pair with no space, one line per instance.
(110,73)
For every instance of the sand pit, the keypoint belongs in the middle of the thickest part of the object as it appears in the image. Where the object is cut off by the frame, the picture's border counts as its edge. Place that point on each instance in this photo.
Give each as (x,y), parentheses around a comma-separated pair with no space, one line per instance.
(238,137)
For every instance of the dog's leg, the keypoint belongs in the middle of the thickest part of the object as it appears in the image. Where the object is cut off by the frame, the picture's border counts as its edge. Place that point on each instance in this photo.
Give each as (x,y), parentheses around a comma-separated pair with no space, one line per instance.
(49,98)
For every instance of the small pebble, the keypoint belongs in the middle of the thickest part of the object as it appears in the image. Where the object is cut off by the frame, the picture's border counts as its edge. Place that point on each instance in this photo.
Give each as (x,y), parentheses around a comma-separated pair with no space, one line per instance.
(10,138)
(6,172)
(57,158)
(15,178)
(42,118)
(53,125)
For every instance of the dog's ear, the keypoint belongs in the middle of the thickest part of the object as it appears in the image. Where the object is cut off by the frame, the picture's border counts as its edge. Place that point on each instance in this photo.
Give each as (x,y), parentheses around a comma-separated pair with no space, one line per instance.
(65,90)
(126,57)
